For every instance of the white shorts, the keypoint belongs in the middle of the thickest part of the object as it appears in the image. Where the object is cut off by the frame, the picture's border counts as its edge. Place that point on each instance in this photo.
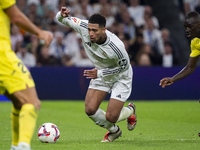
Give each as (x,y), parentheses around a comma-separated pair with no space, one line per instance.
(120,90)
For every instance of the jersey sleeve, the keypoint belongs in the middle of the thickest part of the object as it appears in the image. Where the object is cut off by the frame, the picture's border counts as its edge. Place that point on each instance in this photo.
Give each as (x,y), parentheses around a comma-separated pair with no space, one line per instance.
(195,47)
(121,59)
(73,22)
(122,65)
(6,4)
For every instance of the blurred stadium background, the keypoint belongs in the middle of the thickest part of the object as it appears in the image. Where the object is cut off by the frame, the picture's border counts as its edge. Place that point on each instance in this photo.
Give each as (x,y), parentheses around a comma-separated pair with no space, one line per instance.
(152,31)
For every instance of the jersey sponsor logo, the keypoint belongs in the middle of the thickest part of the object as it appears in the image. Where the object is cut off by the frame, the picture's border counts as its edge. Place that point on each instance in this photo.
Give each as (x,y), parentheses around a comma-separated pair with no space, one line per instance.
(96,57)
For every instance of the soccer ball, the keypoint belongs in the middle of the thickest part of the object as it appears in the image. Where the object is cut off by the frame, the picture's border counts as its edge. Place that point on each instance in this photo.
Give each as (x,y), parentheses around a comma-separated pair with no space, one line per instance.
(48,133)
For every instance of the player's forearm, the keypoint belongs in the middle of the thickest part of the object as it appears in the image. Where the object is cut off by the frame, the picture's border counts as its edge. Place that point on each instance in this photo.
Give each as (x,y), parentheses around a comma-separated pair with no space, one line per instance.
(108,71)
(63,20)
(69,21)
(186,71)
(59,17)
(27,25)
(18,18)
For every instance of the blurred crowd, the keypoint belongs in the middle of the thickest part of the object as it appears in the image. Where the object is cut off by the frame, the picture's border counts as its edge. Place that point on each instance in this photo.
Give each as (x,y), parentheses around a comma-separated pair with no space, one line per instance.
(131,20)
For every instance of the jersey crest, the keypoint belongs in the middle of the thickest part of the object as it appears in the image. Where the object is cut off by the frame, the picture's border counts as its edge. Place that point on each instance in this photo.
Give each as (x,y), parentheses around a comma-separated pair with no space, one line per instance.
(104,54)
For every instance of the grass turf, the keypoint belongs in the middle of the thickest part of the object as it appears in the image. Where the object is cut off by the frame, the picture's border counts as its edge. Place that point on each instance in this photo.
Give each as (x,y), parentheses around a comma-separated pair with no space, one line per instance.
(162,125)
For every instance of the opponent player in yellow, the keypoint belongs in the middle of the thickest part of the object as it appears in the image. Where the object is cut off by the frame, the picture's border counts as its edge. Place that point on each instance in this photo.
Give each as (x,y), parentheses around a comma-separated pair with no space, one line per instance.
(192,28)
(16,82)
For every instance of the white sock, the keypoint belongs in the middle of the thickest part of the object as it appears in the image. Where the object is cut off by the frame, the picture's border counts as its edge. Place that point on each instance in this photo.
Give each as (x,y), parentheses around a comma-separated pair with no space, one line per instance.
(100,119)
(125,113)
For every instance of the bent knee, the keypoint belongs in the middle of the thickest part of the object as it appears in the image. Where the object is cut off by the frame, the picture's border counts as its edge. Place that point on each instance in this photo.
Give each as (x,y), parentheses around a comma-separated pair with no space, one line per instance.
(90,110)
(111,118)
(38,104)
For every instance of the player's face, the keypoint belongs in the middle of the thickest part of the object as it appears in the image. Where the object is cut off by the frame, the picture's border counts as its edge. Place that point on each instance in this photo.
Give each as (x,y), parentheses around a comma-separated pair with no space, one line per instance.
(192,28)
(96,33)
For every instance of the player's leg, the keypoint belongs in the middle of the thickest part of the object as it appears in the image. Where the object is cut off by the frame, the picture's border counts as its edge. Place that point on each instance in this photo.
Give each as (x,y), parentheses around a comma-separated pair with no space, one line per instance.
(96,93)
(24,114)
(30,105)
(92,102)
(115,111)
(17,84)
(14,120)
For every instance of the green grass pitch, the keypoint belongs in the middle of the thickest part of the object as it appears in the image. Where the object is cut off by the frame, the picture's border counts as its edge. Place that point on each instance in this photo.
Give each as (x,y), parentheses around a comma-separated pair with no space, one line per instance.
(162,125)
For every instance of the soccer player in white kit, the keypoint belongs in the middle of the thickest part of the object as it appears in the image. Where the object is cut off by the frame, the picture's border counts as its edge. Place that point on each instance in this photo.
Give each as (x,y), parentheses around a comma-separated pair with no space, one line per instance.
(112,73)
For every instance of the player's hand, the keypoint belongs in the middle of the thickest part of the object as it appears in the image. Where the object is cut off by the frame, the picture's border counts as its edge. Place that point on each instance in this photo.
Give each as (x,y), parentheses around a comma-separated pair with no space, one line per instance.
(46,36)
(64,12)
(90,74)
(165,82)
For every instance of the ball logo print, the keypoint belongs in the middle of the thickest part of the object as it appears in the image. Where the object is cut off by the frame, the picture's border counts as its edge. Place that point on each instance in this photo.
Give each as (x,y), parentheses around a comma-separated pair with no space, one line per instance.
(48,133)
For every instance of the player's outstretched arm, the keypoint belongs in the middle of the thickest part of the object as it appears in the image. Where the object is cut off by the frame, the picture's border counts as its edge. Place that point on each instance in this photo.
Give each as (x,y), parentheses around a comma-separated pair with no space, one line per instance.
(187,70)
(63,17)
(18,18)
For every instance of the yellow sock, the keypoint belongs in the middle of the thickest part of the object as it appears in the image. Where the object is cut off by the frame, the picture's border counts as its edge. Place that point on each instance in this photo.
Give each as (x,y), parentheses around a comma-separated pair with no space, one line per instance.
(15,125)
(27,122)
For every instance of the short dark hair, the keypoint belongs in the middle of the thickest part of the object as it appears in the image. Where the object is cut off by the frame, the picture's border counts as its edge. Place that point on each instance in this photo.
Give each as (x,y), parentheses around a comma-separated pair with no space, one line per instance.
(192,14)
(168,44)
(98,19)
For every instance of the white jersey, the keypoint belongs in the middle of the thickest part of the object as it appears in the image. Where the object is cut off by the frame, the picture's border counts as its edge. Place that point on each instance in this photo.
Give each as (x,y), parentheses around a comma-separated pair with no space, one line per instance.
(110,58)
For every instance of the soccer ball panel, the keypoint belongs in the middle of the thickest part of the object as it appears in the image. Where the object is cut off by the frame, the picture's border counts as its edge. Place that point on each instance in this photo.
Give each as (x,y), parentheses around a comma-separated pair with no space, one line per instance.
(48,133)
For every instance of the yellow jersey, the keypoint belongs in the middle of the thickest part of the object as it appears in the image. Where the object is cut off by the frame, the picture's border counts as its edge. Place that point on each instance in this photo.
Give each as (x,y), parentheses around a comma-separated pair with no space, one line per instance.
(5,43)
(14,76)
(195,47)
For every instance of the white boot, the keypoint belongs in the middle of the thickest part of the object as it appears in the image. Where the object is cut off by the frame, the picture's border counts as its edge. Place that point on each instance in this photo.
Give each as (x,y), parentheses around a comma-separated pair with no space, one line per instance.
(13,147)
(23,146)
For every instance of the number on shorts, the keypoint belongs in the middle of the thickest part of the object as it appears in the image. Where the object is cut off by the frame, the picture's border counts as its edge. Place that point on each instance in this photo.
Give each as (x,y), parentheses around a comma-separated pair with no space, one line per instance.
(23,67)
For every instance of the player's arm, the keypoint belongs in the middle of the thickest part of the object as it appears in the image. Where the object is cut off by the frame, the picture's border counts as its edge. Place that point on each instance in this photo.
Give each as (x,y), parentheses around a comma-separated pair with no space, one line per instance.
(122,65)
(18,18)
(64,17)
(187,70)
